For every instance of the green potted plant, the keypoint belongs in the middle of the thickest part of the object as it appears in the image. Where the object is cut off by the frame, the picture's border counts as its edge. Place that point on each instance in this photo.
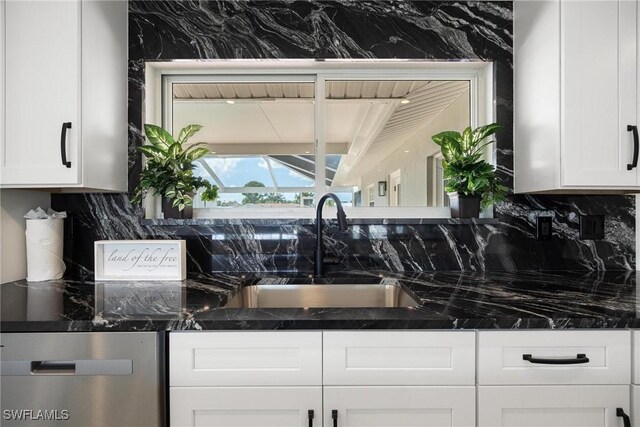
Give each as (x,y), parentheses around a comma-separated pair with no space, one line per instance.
(168,171)
(471,182)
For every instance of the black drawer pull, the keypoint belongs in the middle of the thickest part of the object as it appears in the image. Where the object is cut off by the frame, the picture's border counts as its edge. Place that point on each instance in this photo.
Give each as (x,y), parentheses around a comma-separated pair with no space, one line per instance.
(63,144)
(580,358)
(634,129)
(311,414)
(334,417)
(625,418)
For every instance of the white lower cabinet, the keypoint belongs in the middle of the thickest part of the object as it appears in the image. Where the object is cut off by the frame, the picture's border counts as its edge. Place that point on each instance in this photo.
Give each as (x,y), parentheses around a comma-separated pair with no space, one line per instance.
(403,379)
(552,406)
(636,351)
(274,379)
(399,406)
(635,405)
(246,406)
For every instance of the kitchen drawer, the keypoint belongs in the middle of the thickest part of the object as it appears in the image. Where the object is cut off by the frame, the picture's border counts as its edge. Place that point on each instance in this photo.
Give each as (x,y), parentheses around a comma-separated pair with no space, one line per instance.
(547,406)
(501,357)
(245,358)
(245,406)
(636,357)
(399,358)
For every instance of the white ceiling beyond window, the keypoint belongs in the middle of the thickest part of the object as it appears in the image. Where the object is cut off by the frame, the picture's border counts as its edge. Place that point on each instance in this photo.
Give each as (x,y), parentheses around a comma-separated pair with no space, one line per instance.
(268,113)
(333,90)
(365,121)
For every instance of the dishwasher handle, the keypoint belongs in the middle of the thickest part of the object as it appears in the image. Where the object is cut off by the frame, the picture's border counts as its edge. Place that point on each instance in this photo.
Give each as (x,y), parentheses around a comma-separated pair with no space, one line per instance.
(48,367)
(79,367)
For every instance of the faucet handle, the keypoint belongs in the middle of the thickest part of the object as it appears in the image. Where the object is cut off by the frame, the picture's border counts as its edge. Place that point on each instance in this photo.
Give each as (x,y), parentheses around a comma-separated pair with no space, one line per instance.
(342,220)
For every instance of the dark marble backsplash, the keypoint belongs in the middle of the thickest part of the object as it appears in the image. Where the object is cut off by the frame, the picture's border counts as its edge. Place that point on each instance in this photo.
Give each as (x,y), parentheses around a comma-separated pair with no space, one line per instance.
(288,245)
(423,30)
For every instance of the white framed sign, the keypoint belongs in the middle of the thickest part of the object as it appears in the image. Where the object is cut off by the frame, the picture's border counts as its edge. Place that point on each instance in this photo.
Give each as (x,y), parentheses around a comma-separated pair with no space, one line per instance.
(140,260)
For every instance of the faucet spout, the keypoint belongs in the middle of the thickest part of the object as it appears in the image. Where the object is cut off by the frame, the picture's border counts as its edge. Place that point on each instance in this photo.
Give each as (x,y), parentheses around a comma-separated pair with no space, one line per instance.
(342,224)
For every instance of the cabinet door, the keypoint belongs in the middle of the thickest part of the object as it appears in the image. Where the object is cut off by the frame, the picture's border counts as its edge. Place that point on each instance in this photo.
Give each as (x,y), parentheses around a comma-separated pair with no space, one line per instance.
(635,406)
(42,92)
(636,356)
(551,406)
(598,96)
(399,406)
(245,406)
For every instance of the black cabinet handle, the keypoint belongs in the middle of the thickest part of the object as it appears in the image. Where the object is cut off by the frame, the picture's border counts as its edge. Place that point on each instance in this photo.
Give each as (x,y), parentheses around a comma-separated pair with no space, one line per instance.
(625,418)
(63,143)
(311,414)
(334,417)
(636,147)
(580,358)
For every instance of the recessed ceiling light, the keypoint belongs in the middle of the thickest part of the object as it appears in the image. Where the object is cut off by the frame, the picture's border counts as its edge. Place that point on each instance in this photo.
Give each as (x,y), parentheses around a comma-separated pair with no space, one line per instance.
(406,151)
(307,152)
(229,101)
(405,101)
(213,152)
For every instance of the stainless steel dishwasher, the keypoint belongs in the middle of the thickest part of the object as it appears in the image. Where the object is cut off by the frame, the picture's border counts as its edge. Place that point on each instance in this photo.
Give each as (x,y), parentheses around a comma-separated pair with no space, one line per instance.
(82,379)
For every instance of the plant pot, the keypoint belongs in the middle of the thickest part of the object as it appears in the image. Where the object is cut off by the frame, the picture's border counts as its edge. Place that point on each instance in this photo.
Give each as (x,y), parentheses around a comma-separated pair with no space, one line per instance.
(464,206)
(172,212)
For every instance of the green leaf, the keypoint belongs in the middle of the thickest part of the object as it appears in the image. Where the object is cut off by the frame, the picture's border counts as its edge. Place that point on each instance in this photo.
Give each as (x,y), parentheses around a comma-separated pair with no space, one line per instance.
(174,150)
(484,131)
(439,138)
(467,139)
(158,136)
(198,153)
(152,151)
(187,132)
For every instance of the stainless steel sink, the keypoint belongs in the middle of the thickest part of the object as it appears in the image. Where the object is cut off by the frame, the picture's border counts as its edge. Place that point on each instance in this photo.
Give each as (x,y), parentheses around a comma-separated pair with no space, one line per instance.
(321,295)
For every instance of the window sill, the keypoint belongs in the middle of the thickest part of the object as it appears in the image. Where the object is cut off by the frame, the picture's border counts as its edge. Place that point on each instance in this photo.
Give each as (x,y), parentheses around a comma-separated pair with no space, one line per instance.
(307,221)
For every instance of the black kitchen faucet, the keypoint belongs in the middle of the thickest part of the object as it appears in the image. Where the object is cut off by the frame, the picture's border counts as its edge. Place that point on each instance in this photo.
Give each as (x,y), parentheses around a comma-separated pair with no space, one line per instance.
(342,224)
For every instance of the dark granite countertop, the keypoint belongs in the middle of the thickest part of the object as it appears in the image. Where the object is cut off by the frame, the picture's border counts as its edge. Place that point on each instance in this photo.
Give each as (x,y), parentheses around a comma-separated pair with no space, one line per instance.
(448,300)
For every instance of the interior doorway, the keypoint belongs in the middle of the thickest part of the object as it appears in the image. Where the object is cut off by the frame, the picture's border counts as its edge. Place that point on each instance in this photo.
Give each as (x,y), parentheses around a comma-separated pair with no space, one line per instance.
(395,181)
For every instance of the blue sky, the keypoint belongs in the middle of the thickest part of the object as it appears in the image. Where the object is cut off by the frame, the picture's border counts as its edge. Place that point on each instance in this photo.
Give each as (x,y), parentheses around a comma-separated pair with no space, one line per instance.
(237,171)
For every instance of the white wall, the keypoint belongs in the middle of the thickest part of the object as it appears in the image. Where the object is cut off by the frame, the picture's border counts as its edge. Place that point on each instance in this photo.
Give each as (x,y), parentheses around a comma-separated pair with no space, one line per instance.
(413,165)
(14,204)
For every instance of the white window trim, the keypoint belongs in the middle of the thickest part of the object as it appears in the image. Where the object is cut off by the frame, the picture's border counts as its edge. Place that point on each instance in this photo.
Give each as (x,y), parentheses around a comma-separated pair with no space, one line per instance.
(482,110)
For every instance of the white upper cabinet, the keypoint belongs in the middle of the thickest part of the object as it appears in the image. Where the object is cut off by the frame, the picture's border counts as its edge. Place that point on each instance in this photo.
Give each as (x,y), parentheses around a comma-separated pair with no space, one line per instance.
(575,106)
(66,95)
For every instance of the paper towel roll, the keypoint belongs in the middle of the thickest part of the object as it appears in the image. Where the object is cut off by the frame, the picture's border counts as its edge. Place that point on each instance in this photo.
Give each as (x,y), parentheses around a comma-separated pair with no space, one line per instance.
(44,249)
